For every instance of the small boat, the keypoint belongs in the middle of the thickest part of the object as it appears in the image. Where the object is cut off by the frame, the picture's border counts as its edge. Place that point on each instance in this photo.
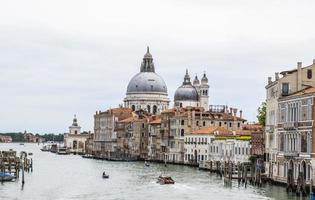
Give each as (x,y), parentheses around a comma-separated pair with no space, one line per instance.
(89,156)
(4,176)
(21,143)
(30,153)
(105,176)
(146,164)
(165,180)
(62,151)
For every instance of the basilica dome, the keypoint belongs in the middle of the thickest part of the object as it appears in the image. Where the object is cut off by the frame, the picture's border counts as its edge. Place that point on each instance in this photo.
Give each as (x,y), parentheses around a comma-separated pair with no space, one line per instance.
(147,82)
(186,92)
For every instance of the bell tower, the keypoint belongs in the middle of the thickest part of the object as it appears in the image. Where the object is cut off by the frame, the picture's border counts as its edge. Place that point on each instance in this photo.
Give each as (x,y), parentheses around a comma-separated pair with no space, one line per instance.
(74,128)
(204,92)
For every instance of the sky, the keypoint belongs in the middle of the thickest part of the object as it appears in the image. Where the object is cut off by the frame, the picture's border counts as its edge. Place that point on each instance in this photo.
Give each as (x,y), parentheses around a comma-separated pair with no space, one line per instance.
(64,57)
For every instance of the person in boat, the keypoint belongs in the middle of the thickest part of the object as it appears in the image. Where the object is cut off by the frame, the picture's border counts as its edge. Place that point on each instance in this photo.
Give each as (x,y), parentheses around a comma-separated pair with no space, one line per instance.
(104,173)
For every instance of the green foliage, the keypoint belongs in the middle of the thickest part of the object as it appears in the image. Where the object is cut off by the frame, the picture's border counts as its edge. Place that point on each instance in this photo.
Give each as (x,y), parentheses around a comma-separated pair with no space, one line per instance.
(252,159)
(261,117)
(19,137)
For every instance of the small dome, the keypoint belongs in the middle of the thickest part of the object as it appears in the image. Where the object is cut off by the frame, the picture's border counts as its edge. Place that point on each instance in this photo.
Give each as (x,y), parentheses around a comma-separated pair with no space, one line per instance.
(146,82)
(196,81)
(204,79)
(186,93)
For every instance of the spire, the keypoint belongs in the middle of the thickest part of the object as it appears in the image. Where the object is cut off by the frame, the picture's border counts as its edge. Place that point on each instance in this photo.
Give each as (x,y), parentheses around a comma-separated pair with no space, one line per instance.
(75,121)
(147,64)
(187,79)
(196,81)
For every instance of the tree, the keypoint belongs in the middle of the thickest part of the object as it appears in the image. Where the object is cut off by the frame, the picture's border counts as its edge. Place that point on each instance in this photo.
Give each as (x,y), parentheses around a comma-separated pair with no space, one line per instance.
(262,113)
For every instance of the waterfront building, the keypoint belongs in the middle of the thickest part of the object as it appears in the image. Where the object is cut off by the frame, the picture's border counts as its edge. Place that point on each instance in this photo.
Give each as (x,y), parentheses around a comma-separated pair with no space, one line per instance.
(295,128)
(33,138)
(75,141)
(147,90)
(5,138)
(177,122)
(290,82)
(105,136)
(193,95)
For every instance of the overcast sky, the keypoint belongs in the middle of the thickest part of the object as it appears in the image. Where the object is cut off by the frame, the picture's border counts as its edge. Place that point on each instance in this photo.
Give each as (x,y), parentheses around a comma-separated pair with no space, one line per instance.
(59,58)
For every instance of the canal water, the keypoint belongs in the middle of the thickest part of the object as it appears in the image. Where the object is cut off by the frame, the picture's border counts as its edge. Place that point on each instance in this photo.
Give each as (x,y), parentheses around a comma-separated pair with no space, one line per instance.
(58,177)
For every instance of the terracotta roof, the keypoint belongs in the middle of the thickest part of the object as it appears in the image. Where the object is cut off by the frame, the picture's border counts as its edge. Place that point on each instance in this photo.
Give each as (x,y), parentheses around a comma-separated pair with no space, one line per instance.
(156,121)
(212,130)
(120,110)
(169,110)
(252,127)
(304,91)
(129,119)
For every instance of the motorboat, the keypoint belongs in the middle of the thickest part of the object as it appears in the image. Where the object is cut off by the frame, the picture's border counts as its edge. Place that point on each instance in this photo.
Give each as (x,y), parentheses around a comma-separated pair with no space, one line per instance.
(89,156)
(5,176)
(165,180)
(105,175)
(62,151)
(146,164)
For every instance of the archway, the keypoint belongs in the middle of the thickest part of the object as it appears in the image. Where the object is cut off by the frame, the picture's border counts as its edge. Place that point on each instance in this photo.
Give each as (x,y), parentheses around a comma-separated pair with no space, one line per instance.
(148,108)
(303,170)
(75,144)
(195,156)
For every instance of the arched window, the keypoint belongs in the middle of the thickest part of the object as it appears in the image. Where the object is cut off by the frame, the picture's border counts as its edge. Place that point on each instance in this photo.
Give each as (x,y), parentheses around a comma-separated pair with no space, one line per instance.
(220,123)
(133,107)
(154,109)
(180,105)
(75,132)
(197,123)
(309,74)
(149,108)
(182,132)
(204,123)
(182,122)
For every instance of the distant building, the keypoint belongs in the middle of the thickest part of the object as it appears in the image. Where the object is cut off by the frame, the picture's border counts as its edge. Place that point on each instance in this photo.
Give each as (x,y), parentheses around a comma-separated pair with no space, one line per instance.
(5,138)
(30,137)
(105,136)
(75,141)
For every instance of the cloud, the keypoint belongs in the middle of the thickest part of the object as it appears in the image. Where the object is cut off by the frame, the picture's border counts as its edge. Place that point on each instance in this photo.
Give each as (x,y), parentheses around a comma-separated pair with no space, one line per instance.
(60,58)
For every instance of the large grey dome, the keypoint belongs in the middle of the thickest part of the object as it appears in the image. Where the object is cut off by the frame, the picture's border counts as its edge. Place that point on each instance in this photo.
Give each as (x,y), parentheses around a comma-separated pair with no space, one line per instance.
(186,93)
(146,82)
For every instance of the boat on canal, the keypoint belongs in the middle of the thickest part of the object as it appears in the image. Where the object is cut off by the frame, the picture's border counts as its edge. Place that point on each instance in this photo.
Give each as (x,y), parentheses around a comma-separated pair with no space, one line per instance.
(165,180)
(105,175)
(5,176)
(62,151)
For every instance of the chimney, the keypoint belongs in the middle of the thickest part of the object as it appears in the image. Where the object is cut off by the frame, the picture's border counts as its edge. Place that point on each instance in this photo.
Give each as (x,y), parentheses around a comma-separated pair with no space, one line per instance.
(241,113)
(277,76)
(299,76)
(269,80)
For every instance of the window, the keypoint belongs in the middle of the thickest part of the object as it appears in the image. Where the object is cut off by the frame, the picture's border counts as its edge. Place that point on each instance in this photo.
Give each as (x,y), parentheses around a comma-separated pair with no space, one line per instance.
(182,122)
(204,123)
(220,123)
(197,123)
(285,88)
(182,132)
(309,74)
(149,108)
(142,125)
(181,105)
(154,109)
(133,107)
(230,124)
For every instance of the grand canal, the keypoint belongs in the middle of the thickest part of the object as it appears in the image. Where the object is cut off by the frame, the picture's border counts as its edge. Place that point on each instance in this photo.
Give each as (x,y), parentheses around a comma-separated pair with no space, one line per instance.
(72,177)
